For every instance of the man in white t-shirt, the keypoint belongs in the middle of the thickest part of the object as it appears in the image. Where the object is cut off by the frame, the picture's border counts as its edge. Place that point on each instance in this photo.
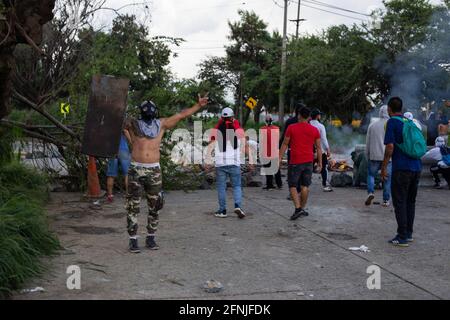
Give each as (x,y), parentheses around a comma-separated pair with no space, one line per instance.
(228,140)
(316,116)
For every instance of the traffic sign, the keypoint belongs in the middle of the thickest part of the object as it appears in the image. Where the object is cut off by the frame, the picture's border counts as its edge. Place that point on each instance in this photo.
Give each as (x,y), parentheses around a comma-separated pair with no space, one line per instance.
(65,108)
(251,103)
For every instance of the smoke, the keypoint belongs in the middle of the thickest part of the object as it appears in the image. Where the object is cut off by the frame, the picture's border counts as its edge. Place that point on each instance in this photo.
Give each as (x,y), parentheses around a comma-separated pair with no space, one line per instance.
(422,74)
(343,141)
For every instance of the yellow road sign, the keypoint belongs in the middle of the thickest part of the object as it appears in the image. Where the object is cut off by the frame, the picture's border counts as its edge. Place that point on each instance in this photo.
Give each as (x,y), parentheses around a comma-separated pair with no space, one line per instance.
(65,108)
(251,103)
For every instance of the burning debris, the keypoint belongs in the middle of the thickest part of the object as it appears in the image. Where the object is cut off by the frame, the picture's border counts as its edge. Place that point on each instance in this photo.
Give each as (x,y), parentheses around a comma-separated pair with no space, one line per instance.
(339,166)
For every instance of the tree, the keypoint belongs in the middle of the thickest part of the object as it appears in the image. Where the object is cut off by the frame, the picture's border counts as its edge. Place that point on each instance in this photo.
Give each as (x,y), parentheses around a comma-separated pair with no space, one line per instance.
(128,51)
(250,66)
(21,21)
(403,25)
(335,71)
(416,64)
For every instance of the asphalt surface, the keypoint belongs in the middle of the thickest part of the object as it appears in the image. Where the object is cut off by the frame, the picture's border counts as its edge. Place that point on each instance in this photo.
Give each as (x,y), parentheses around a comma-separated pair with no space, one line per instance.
(265,256)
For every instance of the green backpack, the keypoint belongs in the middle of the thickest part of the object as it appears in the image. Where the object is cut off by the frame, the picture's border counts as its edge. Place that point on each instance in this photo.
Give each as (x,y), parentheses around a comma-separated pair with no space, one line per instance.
(414,144)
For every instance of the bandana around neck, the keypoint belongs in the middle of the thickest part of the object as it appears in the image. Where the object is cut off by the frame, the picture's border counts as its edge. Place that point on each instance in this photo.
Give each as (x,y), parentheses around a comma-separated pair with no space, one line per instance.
(150,129)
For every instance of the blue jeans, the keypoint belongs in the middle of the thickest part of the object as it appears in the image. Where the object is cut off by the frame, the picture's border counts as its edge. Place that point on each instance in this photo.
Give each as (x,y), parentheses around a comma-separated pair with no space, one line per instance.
(234,172)
(373,168)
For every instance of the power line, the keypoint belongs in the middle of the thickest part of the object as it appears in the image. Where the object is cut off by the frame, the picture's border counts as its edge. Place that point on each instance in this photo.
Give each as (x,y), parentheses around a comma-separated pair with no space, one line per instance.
(207,48)
(316,2)
(219,6)
(332,12)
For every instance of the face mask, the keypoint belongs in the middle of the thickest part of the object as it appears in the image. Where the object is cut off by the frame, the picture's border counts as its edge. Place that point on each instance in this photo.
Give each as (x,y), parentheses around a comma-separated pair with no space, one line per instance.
(149,111)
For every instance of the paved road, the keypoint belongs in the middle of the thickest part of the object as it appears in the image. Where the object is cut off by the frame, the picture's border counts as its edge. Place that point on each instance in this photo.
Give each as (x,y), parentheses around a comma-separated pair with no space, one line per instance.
(263,257)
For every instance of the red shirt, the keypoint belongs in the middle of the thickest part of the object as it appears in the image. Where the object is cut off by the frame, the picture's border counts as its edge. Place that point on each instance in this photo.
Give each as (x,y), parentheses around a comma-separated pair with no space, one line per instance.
(270,136)
(303,138)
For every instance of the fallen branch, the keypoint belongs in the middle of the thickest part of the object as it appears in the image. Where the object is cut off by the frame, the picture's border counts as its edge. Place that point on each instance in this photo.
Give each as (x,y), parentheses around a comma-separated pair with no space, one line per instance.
(35,135)
(47,115)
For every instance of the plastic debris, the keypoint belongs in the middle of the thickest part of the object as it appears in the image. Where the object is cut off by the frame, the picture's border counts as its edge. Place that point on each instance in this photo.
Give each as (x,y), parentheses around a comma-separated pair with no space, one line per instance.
(212,286)
(37,289)
(360,249)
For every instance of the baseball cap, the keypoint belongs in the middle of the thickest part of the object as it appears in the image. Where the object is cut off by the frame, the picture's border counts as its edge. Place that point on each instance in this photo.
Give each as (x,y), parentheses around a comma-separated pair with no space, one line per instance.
(316,112)
(409,116)
(227,113)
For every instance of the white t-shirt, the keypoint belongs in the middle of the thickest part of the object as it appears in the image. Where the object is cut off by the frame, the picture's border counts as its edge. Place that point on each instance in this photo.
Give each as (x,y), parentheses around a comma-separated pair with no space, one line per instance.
(231,157)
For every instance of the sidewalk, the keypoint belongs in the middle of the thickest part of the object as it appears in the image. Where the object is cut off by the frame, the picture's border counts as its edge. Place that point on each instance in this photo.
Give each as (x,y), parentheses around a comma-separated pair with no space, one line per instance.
(265,256)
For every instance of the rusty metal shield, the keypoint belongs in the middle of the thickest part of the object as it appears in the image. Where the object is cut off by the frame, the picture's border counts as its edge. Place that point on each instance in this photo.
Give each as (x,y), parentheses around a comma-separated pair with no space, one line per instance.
(105,116)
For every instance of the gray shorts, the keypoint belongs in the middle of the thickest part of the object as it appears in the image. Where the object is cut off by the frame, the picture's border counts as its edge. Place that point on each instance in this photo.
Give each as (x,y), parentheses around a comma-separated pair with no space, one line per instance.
(300,174)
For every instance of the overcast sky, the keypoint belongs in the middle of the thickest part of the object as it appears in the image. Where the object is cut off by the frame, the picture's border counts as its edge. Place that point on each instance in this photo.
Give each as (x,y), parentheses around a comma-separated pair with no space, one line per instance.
(204,23)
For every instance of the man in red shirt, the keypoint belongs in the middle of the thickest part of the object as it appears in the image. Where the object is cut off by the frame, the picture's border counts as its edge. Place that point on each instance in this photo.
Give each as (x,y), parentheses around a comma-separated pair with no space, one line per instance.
(270,136)
(301,137)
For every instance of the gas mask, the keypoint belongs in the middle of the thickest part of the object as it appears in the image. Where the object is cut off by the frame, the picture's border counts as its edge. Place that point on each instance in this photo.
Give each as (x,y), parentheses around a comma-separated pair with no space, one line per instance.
(149,111)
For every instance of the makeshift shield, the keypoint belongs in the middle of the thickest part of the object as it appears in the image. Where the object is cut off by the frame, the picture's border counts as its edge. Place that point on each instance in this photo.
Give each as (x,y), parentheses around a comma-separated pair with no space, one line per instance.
(105,116)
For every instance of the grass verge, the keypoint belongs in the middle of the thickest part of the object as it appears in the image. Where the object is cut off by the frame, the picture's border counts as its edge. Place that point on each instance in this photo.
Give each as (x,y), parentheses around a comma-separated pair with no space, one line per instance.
(24,233)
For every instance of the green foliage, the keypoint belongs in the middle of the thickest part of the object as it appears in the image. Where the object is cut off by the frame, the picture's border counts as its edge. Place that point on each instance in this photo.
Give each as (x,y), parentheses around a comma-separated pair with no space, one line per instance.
(127,51)
(24,233)
(403,25)
(335,71)
(251,67)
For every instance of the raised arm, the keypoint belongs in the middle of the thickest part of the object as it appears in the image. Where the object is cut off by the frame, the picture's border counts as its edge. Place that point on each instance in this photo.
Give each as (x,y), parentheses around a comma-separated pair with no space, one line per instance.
(170,123)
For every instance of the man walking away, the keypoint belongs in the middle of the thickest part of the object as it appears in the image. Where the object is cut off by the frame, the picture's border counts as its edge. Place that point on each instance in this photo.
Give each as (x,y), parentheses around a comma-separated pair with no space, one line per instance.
(228,139)
(301,137)
(441,158)
(405,173)
(375,150)
(316,116)
(269,144)
(291,121)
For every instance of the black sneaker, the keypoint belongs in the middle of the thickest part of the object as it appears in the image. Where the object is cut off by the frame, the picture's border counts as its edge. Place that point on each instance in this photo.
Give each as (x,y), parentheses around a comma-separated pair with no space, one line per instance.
(134,247)
(297,214)
(370,199)
(240,213)
(410,238)
(221,214)
(269,188)
(151,244)
(399,242)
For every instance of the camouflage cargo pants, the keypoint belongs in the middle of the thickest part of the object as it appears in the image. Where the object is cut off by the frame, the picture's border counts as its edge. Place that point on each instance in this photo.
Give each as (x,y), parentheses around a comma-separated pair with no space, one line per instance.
(149,181)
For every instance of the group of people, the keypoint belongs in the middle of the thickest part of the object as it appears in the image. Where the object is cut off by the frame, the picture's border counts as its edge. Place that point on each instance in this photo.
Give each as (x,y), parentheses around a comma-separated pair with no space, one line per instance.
(375,150)
(305,141)
(400,172)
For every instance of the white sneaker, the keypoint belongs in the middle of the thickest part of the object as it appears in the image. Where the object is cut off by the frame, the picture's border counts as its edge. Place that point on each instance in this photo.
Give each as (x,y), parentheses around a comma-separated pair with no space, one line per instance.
(327,189)
(386,204)
(370,199)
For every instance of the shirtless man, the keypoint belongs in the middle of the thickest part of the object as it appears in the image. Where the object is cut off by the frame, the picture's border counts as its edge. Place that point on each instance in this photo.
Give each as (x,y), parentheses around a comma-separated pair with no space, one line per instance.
(145,137)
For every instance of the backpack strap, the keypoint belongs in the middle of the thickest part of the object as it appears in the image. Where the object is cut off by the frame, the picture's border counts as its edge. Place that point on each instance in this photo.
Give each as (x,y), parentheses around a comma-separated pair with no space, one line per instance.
(404,120)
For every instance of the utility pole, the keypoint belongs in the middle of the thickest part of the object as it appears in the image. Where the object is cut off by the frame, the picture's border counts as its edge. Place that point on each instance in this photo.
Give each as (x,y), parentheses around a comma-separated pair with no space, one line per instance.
(241,99)
(298,20)
(281,100)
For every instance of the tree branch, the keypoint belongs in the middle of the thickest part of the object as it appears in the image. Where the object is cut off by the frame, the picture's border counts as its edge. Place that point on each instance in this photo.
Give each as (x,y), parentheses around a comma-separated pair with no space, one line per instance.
(45,114)
(32,134)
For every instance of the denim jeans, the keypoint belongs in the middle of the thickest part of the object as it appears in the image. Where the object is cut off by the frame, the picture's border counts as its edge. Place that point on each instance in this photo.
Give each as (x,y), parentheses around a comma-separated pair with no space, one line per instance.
(373,168)
(405,185)
(234,172)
